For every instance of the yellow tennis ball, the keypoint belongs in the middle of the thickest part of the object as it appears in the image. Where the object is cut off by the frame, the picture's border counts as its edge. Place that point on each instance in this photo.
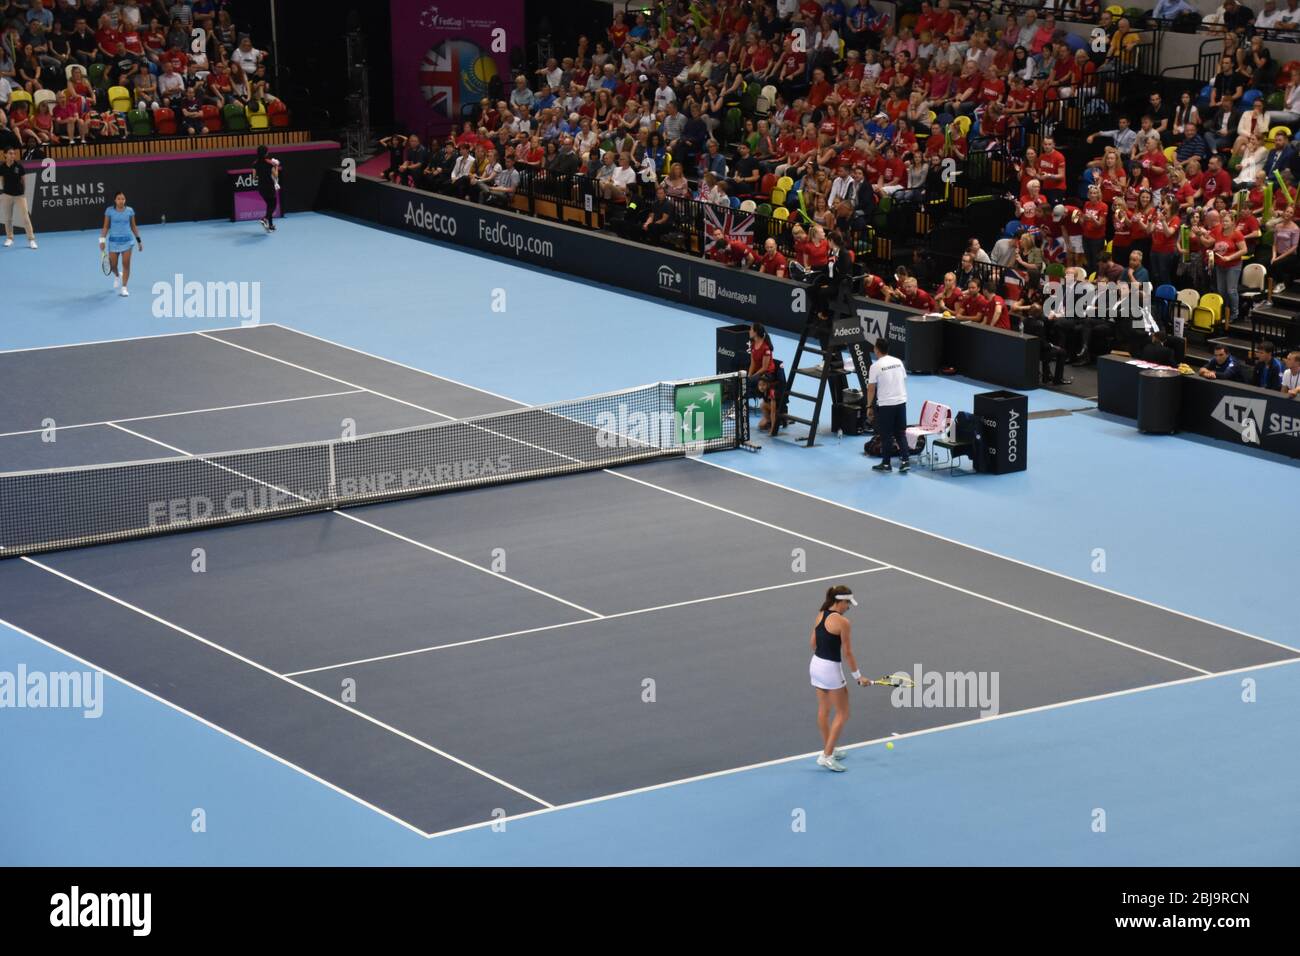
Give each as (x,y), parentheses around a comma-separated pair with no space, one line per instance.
(890,745)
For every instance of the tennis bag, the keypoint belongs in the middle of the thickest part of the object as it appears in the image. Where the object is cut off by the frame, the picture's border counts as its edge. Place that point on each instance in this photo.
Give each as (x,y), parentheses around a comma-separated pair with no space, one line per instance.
(872,447)
(966,428)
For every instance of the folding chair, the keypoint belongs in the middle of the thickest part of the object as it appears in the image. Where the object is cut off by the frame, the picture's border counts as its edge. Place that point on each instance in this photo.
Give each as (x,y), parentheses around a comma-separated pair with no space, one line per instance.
(934,421)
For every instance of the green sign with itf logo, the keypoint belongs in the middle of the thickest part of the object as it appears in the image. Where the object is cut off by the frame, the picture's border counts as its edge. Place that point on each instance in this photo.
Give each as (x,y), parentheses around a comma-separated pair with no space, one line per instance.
(699,412)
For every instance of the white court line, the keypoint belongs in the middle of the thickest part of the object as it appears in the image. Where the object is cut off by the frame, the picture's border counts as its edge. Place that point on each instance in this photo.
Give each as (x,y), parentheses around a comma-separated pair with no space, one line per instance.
(924,577)
(563,624)
(1202,676)
(129,338)
(332,378)
(848,551)
(837,504)
(388,361)
(292,683)
(595,615)
(993,554)
(189,411)
(211,726)
(394,534)
(893,736)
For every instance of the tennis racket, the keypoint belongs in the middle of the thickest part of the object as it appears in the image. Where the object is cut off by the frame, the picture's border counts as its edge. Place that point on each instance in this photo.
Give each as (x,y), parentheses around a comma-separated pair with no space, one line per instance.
(103,261)
(898,679)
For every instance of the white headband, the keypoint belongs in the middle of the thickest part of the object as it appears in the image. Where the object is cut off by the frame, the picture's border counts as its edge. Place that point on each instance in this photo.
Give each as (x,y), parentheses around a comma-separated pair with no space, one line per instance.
(847,597)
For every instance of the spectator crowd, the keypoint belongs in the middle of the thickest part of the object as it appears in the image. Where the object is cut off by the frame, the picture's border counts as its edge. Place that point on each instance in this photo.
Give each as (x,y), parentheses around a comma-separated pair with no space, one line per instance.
(834,120)
(77,71)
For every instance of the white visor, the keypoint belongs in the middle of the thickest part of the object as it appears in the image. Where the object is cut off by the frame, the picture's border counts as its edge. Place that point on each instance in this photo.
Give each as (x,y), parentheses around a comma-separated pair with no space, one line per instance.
(847,597)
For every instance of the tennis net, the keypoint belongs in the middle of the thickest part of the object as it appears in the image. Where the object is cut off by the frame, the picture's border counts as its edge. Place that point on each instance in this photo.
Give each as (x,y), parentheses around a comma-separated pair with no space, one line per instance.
(95,504)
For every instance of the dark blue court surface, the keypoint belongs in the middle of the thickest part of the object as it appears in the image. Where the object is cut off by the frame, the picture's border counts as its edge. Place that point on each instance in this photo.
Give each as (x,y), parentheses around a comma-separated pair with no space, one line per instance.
(454,658)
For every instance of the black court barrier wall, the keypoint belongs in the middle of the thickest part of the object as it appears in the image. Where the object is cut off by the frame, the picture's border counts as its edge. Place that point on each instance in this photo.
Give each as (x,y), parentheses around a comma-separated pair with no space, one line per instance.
(73,193)
(1242,415)
(990,355)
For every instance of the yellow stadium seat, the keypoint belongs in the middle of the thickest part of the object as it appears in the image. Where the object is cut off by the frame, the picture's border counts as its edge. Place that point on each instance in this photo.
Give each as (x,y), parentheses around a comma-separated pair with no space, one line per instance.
(786,183)
(119,99)
(1171,154)
(1212,303)
(779,196)
(962,124)
(1202,319)
(1275,130)
(781,213)
(258,119)
(20,96)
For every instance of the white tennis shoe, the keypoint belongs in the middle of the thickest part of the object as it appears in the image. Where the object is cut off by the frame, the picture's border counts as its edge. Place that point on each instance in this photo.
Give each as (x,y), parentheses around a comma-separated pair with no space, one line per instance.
(124,292)
(9,241)
(830,763)
(31,242)
(117,280)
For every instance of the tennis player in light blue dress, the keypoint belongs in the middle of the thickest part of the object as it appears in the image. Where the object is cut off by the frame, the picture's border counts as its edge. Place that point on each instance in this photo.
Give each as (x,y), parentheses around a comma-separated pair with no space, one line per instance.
(116,237)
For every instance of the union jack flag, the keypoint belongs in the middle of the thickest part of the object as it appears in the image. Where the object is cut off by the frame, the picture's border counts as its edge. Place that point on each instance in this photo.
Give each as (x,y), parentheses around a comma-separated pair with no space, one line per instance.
(440,78)
(734,225)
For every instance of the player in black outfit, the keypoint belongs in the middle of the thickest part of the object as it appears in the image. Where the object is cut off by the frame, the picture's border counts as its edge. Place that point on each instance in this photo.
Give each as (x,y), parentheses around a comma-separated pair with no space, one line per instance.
(267,171)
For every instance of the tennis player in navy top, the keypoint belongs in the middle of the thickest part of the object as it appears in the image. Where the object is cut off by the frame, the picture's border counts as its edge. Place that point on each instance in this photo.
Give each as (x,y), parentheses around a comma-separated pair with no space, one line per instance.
(831,641)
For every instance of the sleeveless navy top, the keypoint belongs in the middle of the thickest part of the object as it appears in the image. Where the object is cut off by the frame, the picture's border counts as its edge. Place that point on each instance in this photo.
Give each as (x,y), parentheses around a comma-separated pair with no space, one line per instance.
(828,644)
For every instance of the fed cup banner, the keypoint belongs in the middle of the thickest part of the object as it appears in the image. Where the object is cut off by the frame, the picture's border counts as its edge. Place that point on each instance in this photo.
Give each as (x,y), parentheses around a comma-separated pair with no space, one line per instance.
(446,55)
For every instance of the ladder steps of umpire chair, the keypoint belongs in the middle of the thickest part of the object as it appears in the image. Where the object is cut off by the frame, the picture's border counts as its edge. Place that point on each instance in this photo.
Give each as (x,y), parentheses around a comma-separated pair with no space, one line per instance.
(833,361)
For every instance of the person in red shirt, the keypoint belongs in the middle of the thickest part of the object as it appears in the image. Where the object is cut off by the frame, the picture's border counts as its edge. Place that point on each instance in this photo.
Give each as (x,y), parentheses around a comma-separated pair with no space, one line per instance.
(1249,227)
(949,294)
(811,248)
(972,305)
(873,287)
(107,39)
(1164,242)
(1229,247)
(729,252)
(1069,224)
(764,374)
(1155,165)
(618,32)
(995,311)
(927,20)
(819,90)
(915,297)
(1121,227)
(1143,219)
(1031,198)
(893,172)
(1051,171)
(1217,182)
(771,262)
(1018,98)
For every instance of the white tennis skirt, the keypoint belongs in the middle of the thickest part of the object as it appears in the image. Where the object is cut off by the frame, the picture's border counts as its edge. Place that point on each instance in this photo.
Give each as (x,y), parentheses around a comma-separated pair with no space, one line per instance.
(826,675)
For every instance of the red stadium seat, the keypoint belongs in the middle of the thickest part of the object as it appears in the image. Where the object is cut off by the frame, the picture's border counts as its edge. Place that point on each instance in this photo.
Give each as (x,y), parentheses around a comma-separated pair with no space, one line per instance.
(164,121)
(212,119)
(278,112)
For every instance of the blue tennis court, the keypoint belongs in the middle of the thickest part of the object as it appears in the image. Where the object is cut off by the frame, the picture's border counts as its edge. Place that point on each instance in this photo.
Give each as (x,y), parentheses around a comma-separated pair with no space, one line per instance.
(607,665)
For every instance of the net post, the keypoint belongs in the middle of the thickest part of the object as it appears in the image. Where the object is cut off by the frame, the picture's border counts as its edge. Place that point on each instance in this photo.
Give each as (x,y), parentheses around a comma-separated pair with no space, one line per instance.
(742,408)
(333,490)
